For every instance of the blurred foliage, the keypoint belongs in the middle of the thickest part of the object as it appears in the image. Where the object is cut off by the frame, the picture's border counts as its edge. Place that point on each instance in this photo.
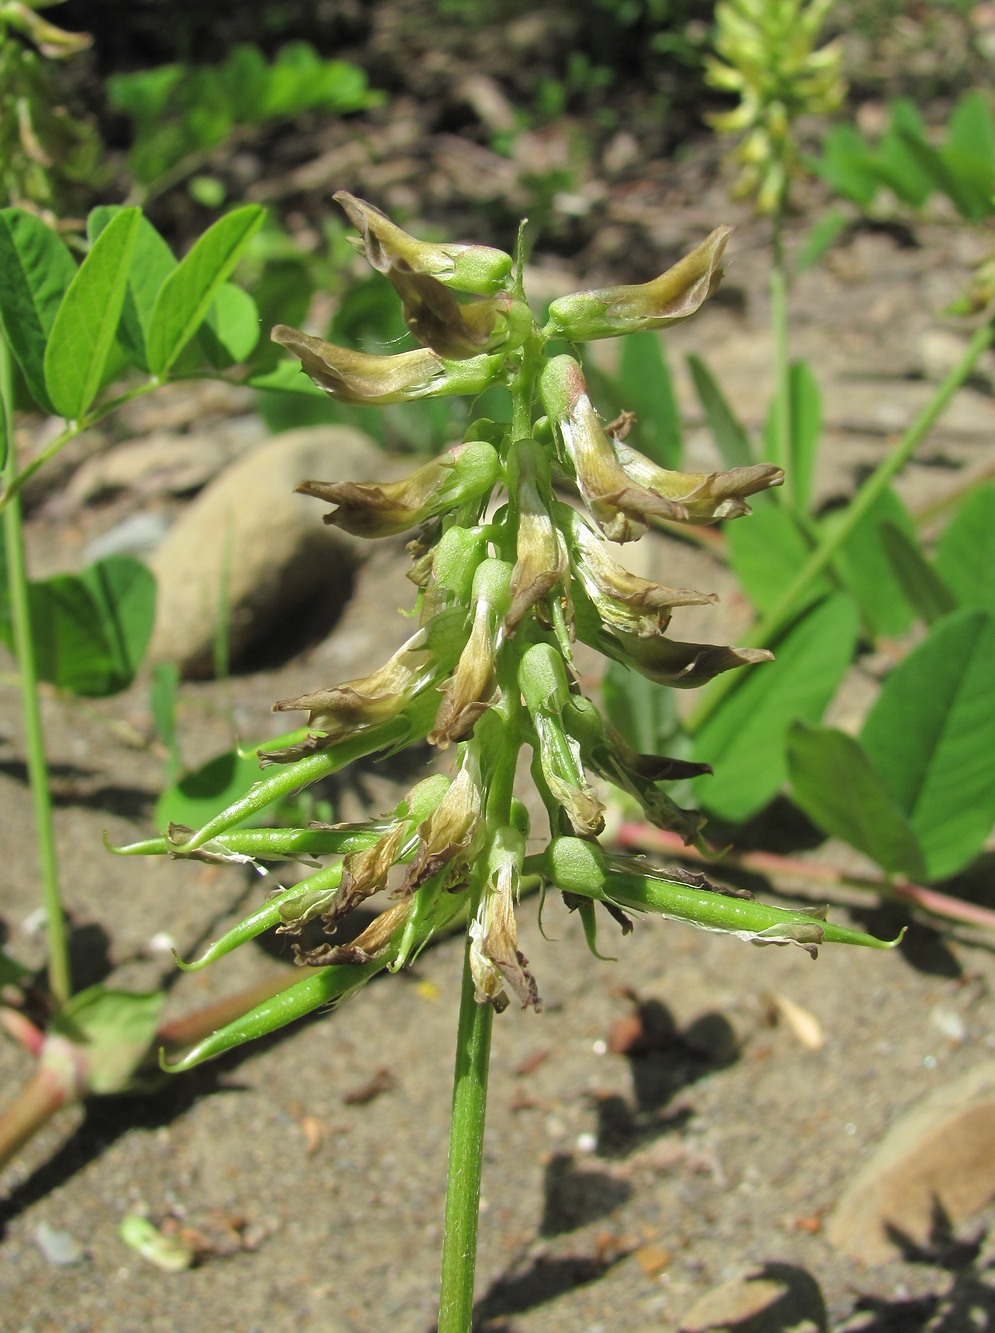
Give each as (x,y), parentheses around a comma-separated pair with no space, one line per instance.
(181,112)
(45,148)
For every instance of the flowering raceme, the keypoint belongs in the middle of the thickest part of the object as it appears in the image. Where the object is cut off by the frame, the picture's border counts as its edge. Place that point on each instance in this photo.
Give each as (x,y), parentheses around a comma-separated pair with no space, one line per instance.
(513,561)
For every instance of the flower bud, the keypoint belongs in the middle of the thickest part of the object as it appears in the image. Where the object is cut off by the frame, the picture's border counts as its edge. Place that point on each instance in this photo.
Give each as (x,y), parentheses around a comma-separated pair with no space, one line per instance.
(495,958)
(455,559)
(619,505)
(543,682)
(469,268)
(673,296)
(623,600)
(383,509)
(376,381)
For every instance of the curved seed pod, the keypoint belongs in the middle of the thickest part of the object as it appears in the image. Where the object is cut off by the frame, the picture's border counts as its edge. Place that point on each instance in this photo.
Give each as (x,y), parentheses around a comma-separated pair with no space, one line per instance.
(577,866)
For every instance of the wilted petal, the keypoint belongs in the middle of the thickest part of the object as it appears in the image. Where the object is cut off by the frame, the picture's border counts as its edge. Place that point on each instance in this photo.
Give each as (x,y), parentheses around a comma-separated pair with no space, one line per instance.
(670,662)
(372,944)
(623,600)
(360,704)
(541,553)
(606,753)
(706,496)
(451,835)
(365,380)
(384,509)
(467,693)
(439,321)
(673,296)
(468,268)
(495,958)
(619,505)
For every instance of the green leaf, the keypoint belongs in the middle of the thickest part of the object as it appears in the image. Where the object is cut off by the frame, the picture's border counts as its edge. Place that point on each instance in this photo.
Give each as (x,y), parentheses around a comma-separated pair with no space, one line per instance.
(765,549)
(189,292)
(847,165)
(231,331)
(646,388)
(84,327)
(152,261)
(744,738)
(728,432)
(822,235)
(90,630)
(115,1030)
(833,781)
(198,795)
(924,590)
(972,127)
(931,737)
(946,175)
(868,574)
(965,554)
(162,701)
(645,714)
(897,166)
(36,268)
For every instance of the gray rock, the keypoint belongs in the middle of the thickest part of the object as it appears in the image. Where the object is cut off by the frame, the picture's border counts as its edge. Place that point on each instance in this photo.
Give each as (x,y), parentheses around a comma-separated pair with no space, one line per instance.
(251,550)
(935,1166)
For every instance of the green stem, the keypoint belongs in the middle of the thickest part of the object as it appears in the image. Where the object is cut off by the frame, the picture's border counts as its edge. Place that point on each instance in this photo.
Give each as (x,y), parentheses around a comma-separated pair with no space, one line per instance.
(781,442)
(16,481)
(60,983)
(466,1152)
(786,607)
